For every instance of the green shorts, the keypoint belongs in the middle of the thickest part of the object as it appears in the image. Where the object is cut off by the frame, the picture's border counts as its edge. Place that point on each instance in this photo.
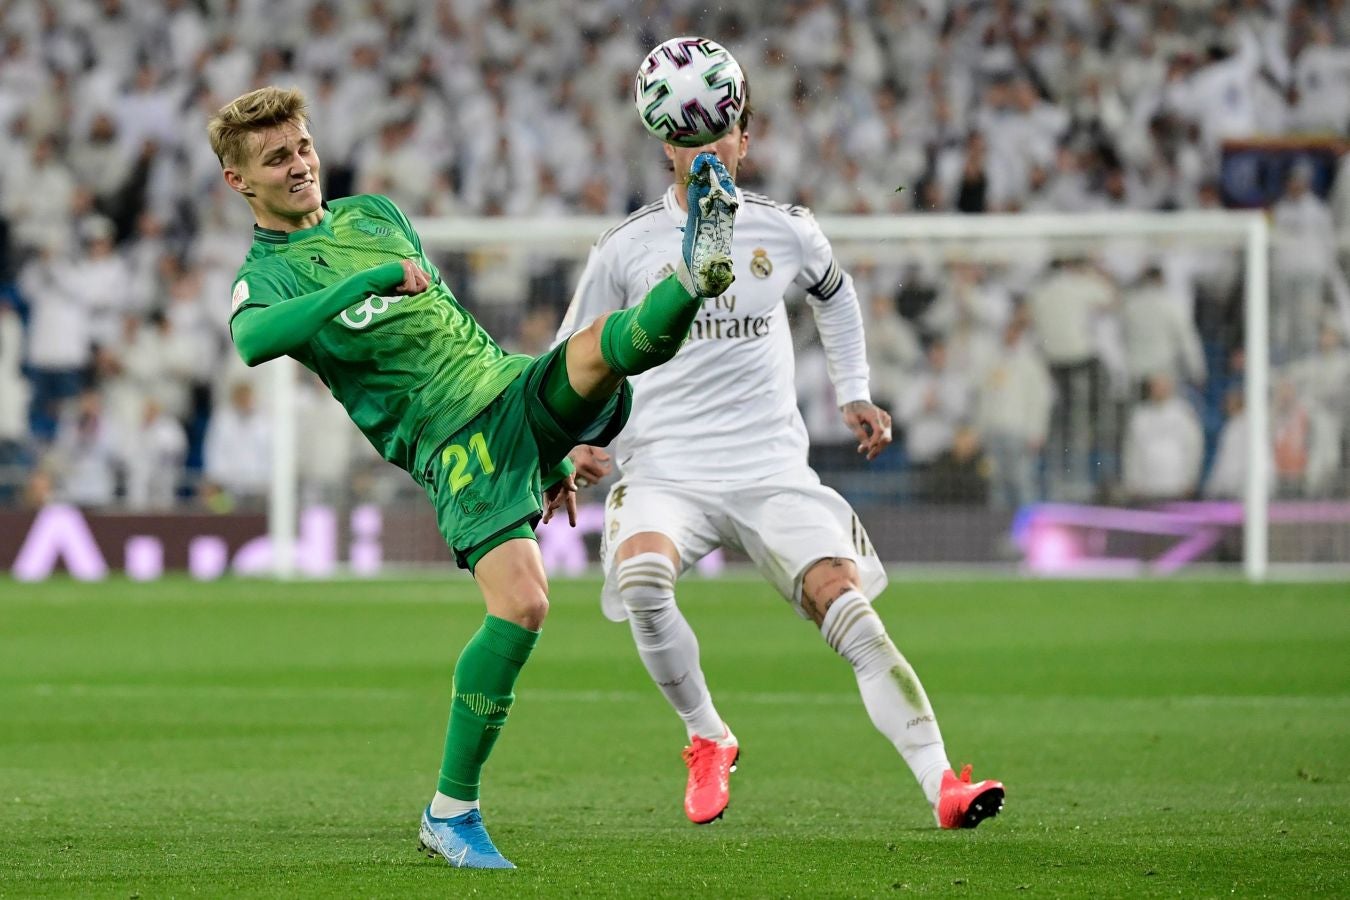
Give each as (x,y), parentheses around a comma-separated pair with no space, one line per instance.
(485,481)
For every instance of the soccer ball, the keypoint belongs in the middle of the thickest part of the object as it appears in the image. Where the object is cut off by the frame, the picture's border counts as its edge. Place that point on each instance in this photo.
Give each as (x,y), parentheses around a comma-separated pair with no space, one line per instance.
(690,91)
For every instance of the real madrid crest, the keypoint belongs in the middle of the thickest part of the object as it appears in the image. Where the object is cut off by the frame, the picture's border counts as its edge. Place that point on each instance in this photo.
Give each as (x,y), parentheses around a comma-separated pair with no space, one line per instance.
(760,266)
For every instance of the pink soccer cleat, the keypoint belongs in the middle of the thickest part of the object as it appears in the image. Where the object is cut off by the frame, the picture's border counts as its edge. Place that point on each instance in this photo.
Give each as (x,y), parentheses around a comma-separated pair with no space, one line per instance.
(709,789)
(965,805)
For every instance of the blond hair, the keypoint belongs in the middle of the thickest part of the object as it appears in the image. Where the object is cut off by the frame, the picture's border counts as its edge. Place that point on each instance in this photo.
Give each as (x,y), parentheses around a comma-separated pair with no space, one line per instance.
(267,107)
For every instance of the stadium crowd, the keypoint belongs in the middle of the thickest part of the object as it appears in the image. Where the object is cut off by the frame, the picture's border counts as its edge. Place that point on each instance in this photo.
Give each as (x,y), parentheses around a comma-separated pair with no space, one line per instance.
(1108,374)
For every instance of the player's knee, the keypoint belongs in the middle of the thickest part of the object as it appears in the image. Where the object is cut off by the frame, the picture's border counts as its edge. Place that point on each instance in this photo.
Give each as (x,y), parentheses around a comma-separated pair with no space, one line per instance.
(522,597)
(585,343)
(533,609)
(589,367)
(527,607)
(855,631)
(825,582)
(646,582)
(646,588)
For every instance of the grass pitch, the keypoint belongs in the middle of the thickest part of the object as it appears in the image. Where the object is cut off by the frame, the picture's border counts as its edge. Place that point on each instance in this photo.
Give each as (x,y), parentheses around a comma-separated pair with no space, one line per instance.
(246,738)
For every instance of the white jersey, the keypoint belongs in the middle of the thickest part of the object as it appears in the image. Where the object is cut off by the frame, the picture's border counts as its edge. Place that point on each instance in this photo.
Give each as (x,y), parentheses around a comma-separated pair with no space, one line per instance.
(725,407)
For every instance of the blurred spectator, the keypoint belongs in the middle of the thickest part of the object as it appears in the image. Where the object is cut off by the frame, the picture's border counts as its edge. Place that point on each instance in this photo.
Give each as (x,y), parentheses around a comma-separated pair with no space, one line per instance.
(114,171)
(58,338)
(1322,83)
(100,279)
(934,404)
(971,185)
(893,350)
(1012,415)
(1064,308)
(390,163)
(1215,277)
(1221,94)
(970,312)
(1304,254)
(87,455)
(36,196)
(958,474)
(1324,377)
(238,453)
(1159,338)
(156,447)
(1227,479)
(1307,450)
(327,441)
(1164,446)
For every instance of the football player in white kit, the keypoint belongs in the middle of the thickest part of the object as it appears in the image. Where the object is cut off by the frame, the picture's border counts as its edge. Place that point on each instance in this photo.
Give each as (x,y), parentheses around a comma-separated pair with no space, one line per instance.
(715,454)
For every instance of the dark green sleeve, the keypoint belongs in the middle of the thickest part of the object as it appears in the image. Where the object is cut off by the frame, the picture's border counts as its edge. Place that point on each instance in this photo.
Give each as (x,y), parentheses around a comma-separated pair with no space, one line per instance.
(263,332)
(558,473)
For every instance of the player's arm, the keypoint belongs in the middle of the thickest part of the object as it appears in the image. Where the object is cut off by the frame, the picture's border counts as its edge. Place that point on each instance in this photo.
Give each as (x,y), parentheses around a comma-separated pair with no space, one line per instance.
(834,305)
(560,491)
(263,332)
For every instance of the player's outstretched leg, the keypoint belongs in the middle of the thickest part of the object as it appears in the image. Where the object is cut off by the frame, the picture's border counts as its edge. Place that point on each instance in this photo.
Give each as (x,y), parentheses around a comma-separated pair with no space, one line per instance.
(669,650)
(891,692)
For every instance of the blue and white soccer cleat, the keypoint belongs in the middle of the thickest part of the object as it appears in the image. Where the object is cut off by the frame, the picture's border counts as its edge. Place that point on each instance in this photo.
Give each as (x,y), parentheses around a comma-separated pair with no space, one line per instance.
(707,232)
(462,841)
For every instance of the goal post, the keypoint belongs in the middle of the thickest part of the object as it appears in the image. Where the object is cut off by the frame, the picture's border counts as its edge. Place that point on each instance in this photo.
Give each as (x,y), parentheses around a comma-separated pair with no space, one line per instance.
(952,235)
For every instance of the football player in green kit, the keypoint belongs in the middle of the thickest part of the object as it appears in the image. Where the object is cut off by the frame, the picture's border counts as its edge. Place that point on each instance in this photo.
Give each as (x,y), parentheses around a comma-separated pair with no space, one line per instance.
(345,288)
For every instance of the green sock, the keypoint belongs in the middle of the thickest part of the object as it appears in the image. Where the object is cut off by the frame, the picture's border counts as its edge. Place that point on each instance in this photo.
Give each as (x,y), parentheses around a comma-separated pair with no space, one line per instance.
(484,677)
(637,339)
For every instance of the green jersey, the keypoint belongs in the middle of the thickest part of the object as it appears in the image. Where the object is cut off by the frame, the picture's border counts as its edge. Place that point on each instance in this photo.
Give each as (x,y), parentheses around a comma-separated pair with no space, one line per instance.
(410,371)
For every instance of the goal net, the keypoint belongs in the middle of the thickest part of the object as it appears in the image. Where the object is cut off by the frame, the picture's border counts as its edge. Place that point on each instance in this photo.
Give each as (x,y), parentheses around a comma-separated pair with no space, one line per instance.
(1073,395)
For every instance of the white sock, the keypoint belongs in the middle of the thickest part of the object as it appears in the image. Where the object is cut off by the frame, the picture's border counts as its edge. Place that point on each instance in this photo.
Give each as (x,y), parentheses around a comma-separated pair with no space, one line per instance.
(666,643)
(444,806)
(891,691)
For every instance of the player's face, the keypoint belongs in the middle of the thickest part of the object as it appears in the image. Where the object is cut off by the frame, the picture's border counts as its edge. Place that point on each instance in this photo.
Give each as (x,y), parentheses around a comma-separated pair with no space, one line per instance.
(730,149)
(281,177)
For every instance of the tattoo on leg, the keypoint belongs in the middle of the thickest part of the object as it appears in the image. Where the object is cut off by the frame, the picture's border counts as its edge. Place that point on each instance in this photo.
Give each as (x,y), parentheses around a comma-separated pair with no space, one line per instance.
(837,579)
(809,605)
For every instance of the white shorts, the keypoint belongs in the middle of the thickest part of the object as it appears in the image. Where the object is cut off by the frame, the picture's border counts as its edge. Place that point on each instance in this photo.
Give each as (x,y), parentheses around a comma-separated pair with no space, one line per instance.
(783,523)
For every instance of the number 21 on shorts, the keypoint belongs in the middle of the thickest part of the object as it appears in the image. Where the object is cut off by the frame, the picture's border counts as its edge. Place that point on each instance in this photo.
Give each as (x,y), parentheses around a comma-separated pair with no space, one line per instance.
(455,460)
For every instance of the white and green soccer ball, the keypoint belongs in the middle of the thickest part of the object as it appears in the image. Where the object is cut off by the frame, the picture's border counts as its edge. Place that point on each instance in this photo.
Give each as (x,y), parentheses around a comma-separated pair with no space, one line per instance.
(690,91)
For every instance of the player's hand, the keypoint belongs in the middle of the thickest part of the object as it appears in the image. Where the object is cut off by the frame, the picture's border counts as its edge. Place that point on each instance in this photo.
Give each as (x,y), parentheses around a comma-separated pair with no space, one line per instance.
(562,494)
(415,281)
(592,464)
(870,424)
